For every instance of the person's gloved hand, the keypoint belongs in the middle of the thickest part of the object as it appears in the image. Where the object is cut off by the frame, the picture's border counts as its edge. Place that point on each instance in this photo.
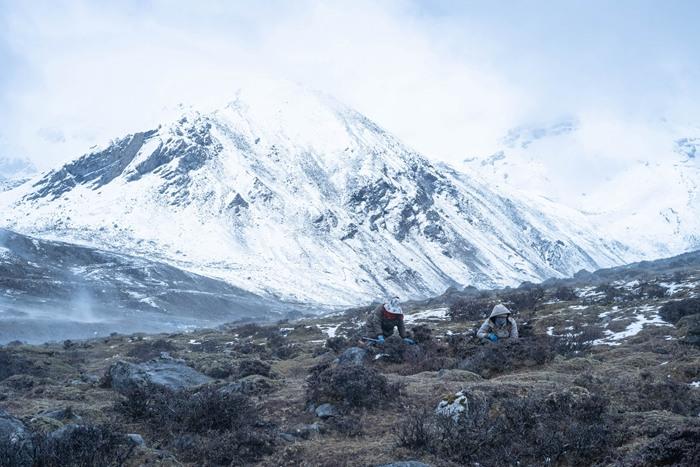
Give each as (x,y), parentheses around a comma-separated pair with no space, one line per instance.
(380,339)
(492,337)
(409,341)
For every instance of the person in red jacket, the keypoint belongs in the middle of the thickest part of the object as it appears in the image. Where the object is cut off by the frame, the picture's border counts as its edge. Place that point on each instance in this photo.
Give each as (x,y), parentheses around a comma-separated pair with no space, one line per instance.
(384,319)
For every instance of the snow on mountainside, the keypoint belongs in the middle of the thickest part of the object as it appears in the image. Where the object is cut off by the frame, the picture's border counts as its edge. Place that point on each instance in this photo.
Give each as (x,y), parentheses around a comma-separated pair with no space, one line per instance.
(287,192)
(14,172)
(650,196)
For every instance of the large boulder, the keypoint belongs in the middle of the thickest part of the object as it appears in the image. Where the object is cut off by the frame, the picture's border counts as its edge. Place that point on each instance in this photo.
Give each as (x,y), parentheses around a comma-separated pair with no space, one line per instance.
(168,374)
(15,441)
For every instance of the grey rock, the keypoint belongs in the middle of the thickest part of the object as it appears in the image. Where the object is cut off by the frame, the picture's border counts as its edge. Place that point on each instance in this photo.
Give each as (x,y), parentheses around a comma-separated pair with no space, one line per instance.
(352,356)
(307,431)
(15,439)
(62,414)
(167,374)
(136,439)
(11,428)
(326,411)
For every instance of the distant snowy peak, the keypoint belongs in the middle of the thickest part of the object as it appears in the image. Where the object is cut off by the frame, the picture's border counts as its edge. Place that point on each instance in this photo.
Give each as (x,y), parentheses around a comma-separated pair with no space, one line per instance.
(648,198)
(287,192)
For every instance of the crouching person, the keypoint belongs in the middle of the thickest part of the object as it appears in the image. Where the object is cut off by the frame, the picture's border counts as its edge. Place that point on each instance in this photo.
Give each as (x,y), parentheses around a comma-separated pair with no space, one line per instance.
(499,325)
(384,319)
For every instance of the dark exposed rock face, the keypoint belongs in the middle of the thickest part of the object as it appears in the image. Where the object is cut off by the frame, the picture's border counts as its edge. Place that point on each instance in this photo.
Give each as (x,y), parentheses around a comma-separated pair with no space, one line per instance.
(15,440)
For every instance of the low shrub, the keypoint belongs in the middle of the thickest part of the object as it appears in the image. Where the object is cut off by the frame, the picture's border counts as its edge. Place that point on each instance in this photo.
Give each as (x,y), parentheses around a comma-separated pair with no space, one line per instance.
(148,350)
(422,334)
(674,311)
(220,424)
(679,447)
(253,367)
(470,309)
(490,359)
(12,364)
(70,446)
(565,294)
(560,428)
(523,298)
(337,344)
(353,385)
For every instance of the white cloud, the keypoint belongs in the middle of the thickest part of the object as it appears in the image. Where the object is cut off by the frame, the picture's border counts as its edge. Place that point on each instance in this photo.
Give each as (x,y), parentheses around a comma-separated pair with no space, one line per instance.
(448,85)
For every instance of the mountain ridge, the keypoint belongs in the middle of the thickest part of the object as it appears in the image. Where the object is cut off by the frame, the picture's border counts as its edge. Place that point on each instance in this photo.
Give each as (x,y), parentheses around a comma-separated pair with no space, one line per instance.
(284,187)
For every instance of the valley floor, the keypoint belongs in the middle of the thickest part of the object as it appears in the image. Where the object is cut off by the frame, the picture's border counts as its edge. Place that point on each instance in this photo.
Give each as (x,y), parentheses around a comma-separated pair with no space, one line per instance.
(606,373)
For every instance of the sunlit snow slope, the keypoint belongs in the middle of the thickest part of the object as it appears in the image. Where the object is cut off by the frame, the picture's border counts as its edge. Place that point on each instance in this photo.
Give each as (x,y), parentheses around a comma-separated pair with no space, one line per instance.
(288,192)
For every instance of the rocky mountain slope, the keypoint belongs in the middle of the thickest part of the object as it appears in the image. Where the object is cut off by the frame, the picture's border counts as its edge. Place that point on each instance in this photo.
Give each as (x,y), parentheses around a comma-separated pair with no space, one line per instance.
(607,372)
(55,291)
(288,193)
(643,190)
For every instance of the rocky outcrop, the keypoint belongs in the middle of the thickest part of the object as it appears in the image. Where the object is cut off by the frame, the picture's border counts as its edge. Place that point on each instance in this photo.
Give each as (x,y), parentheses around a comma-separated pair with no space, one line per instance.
(168,374)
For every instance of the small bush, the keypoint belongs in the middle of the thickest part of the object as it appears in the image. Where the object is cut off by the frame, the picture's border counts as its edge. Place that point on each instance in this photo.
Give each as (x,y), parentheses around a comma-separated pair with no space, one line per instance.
(337,344)
(253,367)
(148,350)
(652,290)
(281,347)
(523,298)
(70,446)
(470,309)
(353,385)
(679,447)
(13,364)
(560,428)
(506,355)
(222,427)
(422,334)
(674,311)
(565,294)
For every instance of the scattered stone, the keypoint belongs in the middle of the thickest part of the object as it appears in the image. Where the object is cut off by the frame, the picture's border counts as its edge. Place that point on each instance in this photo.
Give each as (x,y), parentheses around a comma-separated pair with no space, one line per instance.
(62,414)
(352,356)
(326,411)
(12,429)
(136,439)
(454,407)
(168,374)
(304,431)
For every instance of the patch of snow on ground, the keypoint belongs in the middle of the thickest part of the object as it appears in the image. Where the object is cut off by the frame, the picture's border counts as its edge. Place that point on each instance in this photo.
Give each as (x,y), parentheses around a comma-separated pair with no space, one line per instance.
(675,287)
(640,320)
(588,292)
(550,331)
(330,330)
(695,384)
(436,314)
(578,307)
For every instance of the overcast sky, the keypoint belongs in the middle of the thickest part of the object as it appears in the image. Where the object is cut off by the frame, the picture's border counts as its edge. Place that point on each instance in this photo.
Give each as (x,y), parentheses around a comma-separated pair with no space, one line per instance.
(449,78)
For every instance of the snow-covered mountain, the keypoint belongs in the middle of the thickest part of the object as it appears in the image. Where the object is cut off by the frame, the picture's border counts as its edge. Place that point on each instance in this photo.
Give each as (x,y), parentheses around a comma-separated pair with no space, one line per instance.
(287,192)
(14,172)
(640,185)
